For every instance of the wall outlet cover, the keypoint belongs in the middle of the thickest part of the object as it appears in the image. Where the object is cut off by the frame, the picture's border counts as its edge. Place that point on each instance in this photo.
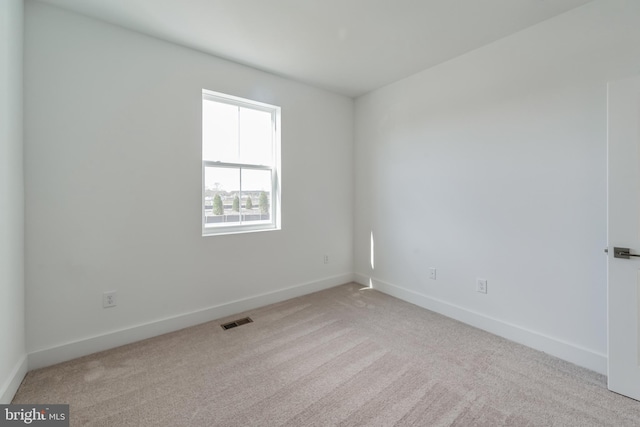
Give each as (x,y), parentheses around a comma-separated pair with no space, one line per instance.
(481,286)
(109,299)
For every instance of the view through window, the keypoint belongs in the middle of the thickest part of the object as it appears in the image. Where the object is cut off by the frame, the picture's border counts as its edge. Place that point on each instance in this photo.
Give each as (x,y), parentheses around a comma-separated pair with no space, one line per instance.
(240,162)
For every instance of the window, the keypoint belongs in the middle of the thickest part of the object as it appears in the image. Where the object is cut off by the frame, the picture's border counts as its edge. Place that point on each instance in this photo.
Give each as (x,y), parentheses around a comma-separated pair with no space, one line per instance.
(240,165)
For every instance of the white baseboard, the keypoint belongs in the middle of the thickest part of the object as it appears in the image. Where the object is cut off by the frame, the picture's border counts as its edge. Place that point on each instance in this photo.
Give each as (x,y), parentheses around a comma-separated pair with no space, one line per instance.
(61,353)
(10,387)
(570,352)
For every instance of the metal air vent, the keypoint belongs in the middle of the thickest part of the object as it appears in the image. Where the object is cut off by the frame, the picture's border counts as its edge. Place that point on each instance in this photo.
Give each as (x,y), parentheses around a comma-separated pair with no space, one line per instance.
(236,323)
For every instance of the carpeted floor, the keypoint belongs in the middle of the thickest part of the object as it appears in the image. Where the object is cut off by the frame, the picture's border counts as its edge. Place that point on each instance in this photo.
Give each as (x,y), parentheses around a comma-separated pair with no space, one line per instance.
(347,356)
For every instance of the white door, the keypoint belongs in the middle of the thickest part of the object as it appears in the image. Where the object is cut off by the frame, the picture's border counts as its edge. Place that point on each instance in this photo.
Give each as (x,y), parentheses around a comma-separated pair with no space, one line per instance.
(624,232)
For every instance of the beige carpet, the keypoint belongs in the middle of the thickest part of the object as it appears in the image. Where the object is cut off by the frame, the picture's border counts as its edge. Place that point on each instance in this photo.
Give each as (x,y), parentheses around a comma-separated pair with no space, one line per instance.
(346,356)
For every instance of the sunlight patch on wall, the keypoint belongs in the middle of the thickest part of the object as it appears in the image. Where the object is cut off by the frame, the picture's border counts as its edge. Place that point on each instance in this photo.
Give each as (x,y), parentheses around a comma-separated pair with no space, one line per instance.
(372,258)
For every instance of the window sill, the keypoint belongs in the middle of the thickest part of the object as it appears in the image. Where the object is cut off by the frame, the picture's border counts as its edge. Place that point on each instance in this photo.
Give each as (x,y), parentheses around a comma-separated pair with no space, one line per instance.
(224,231)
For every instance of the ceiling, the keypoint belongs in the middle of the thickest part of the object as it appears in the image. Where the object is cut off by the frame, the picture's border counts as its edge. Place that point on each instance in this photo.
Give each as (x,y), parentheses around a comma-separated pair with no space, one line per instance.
(347,46)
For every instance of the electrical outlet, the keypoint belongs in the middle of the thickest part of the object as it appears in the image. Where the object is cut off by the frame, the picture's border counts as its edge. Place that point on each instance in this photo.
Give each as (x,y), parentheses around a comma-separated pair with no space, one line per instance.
(326,259)
(109,299)
(432,273)
(481,286)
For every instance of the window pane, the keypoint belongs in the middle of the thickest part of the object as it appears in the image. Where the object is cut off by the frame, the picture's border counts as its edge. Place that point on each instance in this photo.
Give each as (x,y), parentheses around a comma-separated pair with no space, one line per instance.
(219,132)
(256,145)
(221,187)
(256,195)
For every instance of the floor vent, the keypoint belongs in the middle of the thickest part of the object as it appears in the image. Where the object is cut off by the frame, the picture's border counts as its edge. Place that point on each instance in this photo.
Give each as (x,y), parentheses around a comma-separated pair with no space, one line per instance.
(235,323)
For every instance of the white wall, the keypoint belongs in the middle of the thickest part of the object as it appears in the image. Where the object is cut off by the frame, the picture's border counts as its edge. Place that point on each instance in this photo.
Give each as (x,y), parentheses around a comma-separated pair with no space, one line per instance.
(12,333)
(493,165)
(113,176)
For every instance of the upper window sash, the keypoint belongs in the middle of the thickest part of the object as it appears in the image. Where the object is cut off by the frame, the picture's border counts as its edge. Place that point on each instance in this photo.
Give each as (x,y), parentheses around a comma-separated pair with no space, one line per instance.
(238,132)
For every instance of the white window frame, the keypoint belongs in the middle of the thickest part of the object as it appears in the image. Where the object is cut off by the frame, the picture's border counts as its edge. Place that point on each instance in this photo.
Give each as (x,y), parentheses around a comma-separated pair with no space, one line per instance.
(274,222)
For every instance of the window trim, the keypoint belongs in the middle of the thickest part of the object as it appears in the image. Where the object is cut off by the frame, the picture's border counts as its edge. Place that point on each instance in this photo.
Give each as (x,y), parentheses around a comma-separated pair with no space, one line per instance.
(275,200)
